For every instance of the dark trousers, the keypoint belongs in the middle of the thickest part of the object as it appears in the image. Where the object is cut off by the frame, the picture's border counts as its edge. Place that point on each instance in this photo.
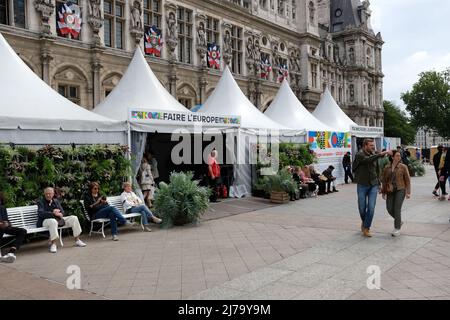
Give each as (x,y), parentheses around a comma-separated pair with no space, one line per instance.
(443,183)
(438,184)
(19,233)
(348,174)
(394,203)
(214,185)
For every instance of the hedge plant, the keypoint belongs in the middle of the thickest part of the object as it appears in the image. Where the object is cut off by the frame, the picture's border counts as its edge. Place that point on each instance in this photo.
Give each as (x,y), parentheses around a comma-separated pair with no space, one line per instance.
(25,172)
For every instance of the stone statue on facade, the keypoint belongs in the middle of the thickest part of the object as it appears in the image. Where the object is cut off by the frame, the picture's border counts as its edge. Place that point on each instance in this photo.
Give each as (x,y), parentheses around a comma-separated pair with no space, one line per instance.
(46,8)
(136,19)
(95,8)
(201,35)
(227,47)
(171,26)
(250,48)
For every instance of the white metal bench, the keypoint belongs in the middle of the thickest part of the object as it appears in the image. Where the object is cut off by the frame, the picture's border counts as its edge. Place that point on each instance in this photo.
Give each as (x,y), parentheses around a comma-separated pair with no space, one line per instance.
(26,218)
(113,202)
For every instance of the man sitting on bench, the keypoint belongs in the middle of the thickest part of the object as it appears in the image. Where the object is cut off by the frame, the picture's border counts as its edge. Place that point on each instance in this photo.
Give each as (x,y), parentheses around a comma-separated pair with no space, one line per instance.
(51,215)
(6,228)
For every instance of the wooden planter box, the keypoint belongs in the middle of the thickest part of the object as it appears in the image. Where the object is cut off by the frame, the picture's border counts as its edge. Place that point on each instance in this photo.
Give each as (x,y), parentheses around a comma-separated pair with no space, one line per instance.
(279,197)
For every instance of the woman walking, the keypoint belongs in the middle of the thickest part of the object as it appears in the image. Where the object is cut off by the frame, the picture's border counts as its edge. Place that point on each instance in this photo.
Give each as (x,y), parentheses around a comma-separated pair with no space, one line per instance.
(396,185)
(146,181)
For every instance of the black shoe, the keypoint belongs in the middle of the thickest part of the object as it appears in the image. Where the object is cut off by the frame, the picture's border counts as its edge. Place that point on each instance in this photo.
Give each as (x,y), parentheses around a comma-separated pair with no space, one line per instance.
(435,193)
(335,190)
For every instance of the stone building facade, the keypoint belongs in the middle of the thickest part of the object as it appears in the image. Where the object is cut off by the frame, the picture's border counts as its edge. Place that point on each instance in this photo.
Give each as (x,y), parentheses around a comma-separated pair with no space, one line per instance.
(426,138)
(320,43)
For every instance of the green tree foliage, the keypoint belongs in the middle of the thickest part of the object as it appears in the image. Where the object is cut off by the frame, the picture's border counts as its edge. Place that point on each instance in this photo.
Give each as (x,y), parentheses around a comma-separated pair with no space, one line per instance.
(397,124)
(429,102)
(25,172)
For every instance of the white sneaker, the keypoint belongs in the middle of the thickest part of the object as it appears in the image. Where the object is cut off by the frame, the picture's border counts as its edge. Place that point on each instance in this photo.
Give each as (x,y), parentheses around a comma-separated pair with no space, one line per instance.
(396,233)
(115,237)
(53,248)
(156,220)
(146,228)
(8,258)
(80,243)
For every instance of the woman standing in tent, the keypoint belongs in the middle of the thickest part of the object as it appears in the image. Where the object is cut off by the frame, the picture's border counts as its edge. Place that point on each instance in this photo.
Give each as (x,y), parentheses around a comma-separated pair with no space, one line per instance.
(146,181)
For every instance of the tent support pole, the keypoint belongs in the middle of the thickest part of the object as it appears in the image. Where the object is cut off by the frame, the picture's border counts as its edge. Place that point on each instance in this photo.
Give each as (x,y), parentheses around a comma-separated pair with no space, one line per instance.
(129,147)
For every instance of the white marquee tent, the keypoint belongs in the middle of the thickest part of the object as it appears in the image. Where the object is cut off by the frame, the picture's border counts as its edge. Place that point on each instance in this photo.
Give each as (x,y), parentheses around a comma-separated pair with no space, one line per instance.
(289,111)
(331,114)
(31,112)
(228,99)
(139,88)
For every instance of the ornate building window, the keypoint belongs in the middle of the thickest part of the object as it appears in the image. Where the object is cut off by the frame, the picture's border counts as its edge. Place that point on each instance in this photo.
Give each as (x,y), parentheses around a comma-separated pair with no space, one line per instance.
(312,12)
(184,35)
(212,30)
(152,13)
(12,12)
(114,23)
(236,45)
(4,12)
(70,92)
(294,10)
(314,75)
(281,7)
(263,4)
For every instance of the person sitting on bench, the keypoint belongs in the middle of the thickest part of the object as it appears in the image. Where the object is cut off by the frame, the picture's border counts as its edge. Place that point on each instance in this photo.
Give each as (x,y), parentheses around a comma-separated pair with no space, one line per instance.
(328,173)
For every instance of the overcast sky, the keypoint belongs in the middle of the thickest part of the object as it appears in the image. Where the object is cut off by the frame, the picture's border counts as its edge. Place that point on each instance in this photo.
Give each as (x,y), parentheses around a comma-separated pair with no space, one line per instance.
(417,38)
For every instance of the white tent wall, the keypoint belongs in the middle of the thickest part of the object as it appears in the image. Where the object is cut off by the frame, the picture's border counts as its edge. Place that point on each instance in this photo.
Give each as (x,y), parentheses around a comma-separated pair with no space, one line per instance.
(43,137)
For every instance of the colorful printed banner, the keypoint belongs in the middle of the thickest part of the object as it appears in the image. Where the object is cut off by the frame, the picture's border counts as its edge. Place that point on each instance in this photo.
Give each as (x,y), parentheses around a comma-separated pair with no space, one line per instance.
(283,72)
(266,67)
(153,41)
(183,118)
(329,140)
(213,56)
(69,20)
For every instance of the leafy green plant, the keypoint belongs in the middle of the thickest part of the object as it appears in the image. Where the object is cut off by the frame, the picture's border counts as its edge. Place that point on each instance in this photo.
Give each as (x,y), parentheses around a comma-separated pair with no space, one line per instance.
(25,172)
(181,201)
(298,155)
(280,182)
(416,168)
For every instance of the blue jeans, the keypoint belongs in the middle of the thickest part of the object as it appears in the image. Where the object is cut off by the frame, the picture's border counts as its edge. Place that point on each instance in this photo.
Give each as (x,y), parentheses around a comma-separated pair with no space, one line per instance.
(367,199)
(113,214)
(144,211)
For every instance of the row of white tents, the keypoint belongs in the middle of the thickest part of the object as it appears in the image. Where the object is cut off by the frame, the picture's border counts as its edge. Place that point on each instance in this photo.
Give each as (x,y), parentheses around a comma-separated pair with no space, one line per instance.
(31,112)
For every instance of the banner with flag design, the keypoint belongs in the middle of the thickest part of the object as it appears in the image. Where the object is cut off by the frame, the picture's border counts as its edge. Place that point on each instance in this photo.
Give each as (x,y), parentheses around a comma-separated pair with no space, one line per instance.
(153,41)
(68,20)
(266,67)
(213,56)
(283,72)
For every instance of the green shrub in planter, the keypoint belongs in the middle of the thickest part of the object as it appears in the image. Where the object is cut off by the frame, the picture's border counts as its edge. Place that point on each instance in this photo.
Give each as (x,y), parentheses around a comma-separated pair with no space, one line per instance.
(181,201)
(416,168)
(280,182)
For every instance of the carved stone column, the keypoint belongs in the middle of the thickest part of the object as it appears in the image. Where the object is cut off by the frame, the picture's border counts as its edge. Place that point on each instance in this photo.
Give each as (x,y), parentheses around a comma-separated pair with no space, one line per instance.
(172,33)
(258,93)
(46,58)
(96,67)
(202,85)
(46,9)
(95,21)
(250,53)
(173,79)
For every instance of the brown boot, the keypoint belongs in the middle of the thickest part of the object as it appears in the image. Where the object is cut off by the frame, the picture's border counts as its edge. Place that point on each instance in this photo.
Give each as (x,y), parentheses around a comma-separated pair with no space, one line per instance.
(362,227)
(367,233)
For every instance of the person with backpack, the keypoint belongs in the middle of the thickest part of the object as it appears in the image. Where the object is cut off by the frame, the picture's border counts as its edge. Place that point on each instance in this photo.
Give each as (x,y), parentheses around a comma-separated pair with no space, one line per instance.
(436,161)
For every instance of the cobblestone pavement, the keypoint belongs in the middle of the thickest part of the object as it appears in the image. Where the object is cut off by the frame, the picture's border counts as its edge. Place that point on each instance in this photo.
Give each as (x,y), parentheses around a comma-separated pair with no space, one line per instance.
(251,249)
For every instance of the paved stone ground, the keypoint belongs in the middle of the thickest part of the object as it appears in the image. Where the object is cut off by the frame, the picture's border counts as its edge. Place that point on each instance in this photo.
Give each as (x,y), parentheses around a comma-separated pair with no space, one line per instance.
(251,249)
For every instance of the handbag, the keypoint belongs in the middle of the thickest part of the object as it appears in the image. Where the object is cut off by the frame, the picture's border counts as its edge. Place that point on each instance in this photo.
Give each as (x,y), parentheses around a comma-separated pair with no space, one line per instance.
(387,188)
(61,222)
(323,178)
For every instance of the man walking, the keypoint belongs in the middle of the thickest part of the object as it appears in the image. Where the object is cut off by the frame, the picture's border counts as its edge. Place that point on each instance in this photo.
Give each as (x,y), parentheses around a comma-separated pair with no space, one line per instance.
(347,164)
(366,176)
(444,173)
(436,161)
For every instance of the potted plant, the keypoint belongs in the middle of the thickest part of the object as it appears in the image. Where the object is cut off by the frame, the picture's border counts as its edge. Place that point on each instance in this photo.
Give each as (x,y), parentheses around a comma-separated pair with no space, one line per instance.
(278,186)
(181,201)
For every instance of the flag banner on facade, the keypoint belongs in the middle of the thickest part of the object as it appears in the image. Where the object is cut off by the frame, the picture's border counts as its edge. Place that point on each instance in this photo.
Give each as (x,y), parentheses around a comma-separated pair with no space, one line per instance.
(283,72)
(153,41)
(266,66)
(68,20)
(213,56)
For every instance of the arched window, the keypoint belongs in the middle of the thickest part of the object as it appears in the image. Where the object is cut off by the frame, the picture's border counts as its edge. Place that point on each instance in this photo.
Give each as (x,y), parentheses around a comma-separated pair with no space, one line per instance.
(71,83)
(109,83)
(186,95)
